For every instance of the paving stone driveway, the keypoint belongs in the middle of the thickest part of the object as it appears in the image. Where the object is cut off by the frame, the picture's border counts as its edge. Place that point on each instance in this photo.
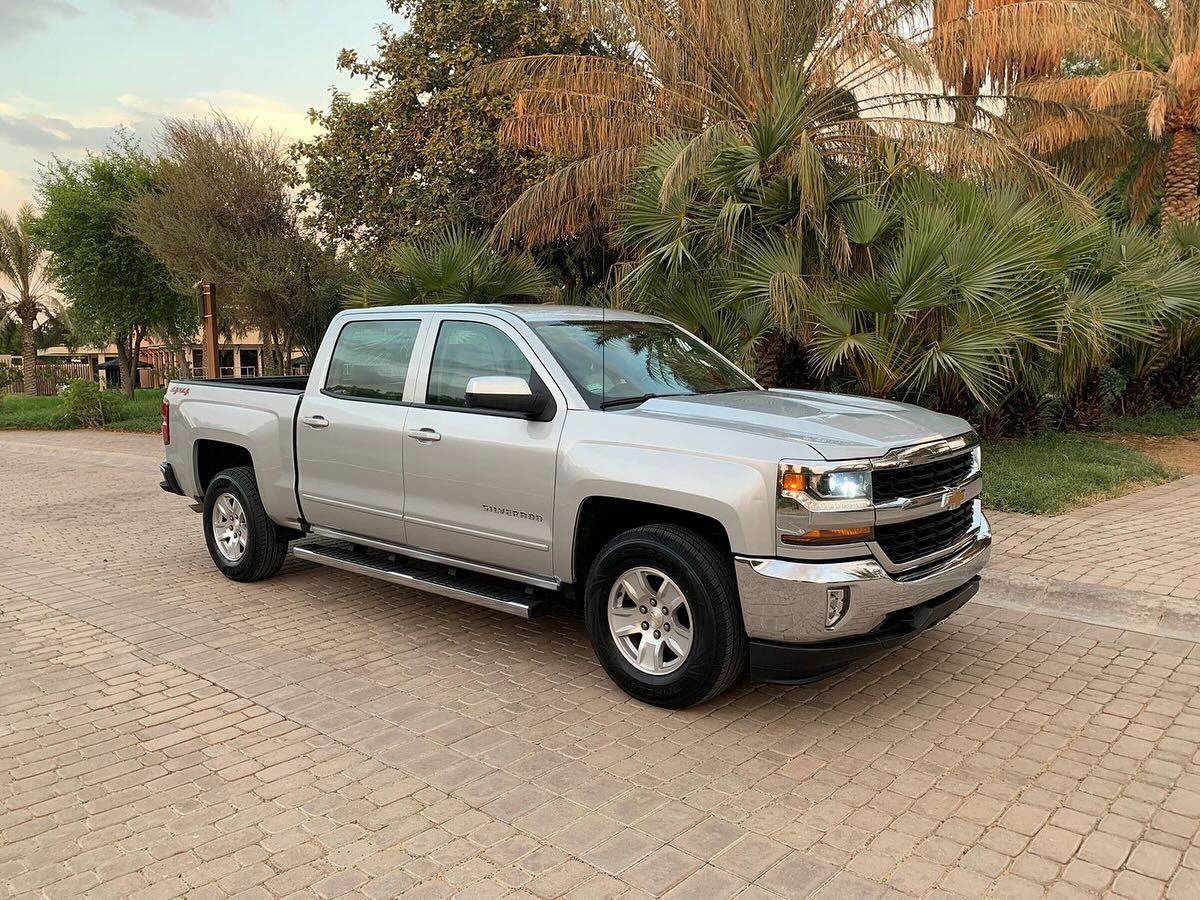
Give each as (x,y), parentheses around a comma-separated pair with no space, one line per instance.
(164,732)
(1145,541)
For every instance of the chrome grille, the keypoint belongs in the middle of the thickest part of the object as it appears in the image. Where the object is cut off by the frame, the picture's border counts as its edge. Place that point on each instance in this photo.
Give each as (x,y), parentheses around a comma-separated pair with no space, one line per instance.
(917,481)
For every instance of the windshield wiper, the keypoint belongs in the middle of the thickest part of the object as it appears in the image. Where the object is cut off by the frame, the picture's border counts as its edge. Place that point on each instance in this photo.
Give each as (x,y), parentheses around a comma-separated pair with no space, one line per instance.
(724,390)
(621,401)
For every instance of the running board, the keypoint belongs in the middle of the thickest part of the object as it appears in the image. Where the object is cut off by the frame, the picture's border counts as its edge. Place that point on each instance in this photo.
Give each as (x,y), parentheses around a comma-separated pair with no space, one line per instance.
(482,590)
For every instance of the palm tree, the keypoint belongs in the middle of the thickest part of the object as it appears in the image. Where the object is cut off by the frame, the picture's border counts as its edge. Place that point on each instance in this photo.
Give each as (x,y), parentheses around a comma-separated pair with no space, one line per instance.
(1103,85)
(454,267)
(803,85)
(975,297)
(20,263)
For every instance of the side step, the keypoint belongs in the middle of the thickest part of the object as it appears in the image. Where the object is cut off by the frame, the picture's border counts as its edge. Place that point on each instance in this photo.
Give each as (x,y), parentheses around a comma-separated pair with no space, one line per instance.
(499,594)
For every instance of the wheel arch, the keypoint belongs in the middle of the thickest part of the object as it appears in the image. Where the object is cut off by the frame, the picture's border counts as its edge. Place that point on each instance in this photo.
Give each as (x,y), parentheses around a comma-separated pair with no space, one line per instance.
(601,518)
(212,457)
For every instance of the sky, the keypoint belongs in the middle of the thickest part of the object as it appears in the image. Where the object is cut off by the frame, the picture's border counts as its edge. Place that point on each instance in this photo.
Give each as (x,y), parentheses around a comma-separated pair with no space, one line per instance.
(73,70)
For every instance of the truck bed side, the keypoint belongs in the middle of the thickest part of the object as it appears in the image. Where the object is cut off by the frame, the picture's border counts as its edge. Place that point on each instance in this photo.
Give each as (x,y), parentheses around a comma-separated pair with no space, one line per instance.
(215,424)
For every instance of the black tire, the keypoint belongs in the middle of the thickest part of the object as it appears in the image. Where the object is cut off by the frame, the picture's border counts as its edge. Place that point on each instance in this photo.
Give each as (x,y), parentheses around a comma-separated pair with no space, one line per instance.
(266,543)
(718,653)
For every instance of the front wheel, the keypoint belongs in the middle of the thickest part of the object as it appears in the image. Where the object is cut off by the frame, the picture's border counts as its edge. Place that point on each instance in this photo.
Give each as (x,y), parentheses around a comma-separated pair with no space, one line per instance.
(242,540)
(662,613)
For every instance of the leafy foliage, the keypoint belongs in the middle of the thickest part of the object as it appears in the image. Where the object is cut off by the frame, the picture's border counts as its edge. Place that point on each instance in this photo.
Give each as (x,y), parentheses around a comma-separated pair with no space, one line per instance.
(1108,88)
(222,211)
(967,295)
(454,267)
(119,292)
(420,152)
(803,87)
(91,406)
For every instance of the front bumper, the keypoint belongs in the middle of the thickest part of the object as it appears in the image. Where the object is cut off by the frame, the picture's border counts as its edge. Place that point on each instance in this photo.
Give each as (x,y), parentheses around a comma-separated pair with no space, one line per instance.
(787,602)
(801,663)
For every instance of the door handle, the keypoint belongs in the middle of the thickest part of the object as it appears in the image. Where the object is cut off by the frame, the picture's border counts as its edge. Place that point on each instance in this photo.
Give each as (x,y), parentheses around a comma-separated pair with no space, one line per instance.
(315,421)
(424,435)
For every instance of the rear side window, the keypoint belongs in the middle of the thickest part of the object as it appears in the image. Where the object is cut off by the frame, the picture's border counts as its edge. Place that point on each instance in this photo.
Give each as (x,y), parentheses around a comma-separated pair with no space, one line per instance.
(465,350)
(370,360)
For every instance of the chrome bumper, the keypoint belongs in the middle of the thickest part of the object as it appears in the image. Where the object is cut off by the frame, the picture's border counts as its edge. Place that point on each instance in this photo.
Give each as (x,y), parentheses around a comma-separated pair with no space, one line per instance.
(787,601)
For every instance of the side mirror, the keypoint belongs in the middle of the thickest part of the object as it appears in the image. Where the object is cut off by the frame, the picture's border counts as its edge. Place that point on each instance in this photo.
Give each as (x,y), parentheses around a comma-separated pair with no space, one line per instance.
(505,393)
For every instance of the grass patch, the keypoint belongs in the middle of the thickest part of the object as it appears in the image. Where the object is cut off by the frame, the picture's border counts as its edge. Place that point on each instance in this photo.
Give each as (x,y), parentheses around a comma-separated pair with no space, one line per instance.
(143,413)
(1054,473)
(1166,423)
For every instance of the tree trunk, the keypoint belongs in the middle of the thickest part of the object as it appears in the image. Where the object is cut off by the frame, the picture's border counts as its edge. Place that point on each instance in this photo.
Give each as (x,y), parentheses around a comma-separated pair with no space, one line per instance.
(28,357)
(269,356)
(766,360)
(135,355)
(124,364)
(1180,200)
(182,363)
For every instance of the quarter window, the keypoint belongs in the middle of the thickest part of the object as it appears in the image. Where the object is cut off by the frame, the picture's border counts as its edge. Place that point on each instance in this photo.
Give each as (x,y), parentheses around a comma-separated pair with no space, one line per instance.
(370,360)
(465,350)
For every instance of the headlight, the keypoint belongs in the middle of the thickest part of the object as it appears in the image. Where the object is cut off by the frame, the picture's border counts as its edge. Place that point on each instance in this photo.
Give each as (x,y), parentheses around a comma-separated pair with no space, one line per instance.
(976,459)
(840,485)
(829,490)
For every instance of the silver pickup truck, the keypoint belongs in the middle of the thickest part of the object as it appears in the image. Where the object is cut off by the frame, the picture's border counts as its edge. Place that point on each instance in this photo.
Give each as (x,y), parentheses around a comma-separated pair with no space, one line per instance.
(519,457)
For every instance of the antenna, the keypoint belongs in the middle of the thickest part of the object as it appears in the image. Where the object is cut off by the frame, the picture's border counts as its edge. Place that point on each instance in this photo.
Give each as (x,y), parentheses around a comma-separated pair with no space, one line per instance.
(603,341)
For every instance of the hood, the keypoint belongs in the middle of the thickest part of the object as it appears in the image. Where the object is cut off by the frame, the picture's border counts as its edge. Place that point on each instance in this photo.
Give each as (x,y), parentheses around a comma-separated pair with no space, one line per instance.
(838,426)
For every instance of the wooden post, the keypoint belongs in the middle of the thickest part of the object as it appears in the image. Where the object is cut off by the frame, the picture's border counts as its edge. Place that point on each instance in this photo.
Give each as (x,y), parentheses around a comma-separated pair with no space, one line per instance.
(212,361)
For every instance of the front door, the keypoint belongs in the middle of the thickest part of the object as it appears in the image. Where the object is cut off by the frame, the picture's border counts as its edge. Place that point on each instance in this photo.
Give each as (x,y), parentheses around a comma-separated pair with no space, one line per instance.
(350,438)
(479,485)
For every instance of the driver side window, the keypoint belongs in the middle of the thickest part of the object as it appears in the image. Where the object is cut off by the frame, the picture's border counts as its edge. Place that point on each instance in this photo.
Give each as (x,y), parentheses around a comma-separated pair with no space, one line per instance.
(465,350)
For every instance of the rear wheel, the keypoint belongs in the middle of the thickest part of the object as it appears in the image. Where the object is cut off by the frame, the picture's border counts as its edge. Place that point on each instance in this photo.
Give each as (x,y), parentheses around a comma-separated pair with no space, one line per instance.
(242,540)
(662,614)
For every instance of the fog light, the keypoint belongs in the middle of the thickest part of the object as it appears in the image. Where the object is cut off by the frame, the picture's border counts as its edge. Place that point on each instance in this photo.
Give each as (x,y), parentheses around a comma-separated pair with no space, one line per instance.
(837,605)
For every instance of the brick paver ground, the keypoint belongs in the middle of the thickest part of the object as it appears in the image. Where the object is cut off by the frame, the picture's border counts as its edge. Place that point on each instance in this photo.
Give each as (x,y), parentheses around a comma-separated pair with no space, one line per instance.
(165,732)
(1145,541)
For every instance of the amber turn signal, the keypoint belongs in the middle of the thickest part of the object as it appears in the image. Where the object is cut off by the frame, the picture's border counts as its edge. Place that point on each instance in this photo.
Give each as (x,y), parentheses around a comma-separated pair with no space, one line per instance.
(830,536)
(792,482)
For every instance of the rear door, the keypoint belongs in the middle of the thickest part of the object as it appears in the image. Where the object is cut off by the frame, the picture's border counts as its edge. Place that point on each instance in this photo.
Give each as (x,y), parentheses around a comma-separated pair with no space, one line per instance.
(350,435)
(479,485)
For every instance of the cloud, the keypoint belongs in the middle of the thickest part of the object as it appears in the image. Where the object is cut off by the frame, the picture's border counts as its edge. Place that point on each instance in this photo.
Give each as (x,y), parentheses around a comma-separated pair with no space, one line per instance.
(48,133)
(189,9)
(19,18)
(265,113)
(27,124)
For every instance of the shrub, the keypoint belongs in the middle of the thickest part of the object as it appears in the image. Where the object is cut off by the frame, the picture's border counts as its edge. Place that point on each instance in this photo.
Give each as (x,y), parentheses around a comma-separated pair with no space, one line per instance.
(93,407)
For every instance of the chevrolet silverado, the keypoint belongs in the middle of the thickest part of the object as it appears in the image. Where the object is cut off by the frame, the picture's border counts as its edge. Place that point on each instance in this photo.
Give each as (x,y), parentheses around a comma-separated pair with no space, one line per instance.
(517,457)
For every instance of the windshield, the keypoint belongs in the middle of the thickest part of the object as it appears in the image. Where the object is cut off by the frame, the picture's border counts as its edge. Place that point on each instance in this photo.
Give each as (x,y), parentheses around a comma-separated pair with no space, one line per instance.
(623,361)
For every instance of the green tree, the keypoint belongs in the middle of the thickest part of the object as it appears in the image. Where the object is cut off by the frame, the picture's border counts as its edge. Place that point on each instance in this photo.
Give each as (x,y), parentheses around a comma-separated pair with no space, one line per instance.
(222,211)
(420,152)
(20,259)
(119,292)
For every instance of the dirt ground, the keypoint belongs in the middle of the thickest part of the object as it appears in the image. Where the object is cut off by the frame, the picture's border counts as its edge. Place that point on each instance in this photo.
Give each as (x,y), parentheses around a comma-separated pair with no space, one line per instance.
(1181,453)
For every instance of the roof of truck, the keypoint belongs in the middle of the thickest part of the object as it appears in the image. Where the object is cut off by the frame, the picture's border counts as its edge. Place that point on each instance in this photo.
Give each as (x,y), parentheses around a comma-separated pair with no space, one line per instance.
(529,312)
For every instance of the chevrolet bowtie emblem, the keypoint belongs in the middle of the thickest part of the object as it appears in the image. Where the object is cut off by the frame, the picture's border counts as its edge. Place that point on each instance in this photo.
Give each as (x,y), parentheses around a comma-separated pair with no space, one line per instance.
(956,498)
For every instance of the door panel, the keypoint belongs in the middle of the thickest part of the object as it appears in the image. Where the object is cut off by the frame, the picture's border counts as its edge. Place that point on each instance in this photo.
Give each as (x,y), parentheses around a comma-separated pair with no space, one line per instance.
(350,438)
(483,489)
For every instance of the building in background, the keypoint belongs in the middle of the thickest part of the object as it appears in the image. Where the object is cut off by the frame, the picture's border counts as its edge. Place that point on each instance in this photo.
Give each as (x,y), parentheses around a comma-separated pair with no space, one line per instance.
(240,358)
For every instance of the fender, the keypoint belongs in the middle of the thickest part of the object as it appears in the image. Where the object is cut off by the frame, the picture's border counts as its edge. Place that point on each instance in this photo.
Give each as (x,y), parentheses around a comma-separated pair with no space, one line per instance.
(734,492)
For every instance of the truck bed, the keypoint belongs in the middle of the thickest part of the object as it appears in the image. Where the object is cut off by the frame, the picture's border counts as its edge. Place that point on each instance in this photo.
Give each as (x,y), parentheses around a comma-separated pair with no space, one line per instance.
(255,416)
(285,384)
